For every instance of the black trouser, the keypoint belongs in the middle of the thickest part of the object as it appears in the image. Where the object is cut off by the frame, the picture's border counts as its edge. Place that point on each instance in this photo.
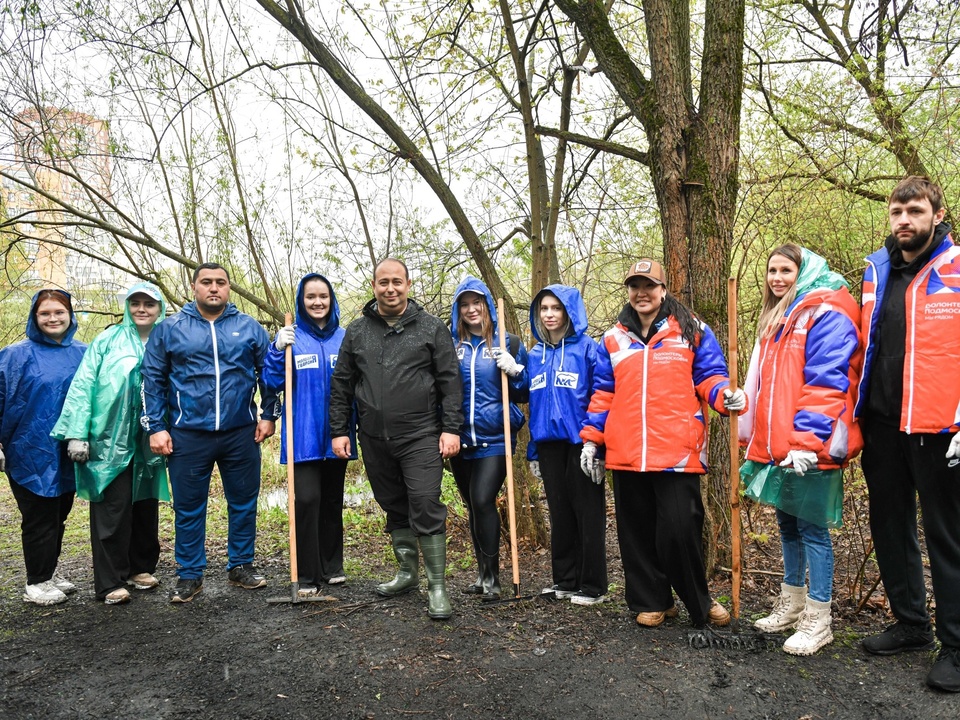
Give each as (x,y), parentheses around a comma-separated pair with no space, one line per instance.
(898,467)
(405,475)
(479,481)
(578,520)
(660,528)
(41,530)
(124,535)
(318,486)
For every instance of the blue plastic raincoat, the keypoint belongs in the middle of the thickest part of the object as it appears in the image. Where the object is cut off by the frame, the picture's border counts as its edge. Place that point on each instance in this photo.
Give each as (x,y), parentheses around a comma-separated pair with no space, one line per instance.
(34,377)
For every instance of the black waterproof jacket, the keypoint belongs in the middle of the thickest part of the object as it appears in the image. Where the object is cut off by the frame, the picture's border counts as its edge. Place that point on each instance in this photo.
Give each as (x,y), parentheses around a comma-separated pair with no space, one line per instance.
(404,379)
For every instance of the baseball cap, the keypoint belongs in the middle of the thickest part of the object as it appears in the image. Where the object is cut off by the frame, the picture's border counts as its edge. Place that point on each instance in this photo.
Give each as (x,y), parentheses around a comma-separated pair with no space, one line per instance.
(151,291)
(646,268)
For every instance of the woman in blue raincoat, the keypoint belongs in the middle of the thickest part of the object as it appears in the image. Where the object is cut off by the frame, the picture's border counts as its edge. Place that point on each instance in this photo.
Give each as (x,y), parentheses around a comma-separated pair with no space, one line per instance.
(318,474)
(34,376)
(561,371)
(481,467)
(115,470)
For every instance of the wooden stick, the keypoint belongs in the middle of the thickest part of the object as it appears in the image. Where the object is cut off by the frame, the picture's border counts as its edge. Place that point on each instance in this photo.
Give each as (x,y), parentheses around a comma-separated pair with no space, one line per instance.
(508,450)
(288,428)
(734,449)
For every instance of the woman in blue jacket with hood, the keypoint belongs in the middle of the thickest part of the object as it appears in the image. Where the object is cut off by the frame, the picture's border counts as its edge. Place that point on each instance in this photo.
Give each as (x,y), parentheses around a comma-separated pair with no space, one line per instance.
(481,467)
(318,475)
(35,374)
(561,379)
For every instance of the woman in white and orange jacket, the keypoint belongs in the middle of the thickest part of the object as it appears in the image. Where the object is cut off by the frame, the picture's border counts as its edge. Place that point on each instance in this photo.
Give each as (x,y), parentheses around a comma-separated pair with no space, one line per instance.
(657,371)
(800,430)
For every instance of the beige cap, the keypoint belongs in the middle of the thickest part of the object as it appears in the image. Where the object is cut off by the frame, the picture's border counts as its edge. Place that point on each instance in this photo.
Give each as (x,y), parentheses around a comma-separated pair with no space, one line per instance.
(646,268)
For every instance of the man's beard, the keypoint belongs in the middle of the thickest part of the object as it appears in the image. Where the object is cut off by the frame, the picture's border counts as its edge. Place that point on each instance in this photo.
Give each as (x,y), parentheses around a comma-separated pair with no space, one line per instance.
(916,241)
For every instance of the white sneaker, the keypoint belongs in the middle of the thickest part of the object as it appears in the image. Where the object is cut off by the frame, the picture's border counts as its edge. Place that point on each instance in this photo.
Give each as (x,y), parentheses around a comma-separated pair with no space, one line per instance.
(813,629)
(143,581)
(786,610)
(45,593)
(64,585)
(558,592)
(584,599)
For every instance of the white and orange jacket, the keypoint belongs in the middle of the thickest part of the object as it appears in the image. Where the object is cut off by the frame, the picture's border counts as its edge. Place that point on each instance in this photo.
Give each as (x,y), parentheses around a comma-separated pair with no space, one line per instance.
(802,383)
(931,380)
(648,405)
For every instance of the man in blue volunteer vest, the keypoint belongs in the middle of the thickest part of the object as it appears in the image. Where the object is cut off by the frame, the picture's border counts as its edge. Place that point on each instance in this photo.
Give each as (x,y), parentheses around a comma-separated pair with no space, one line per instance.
(201,369)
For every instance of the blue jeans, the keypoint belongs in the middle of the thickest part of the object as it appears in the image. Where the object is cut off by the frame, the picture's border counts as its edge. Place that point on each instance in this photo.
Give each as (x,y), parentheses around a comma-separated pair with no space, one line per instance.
(237,456)
(806,545)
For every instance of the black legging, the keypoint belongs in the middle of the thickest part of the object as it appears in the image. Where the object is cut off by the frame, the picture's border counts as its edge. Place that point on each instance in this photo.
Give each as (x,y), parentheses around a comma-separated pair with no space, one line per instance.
(479,482)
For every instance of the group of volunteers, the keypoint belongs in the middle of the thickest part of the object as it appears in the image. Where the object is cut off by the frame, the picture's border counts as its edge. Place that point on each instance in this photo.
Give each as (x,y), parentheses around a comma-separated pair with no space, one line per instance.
(827,379)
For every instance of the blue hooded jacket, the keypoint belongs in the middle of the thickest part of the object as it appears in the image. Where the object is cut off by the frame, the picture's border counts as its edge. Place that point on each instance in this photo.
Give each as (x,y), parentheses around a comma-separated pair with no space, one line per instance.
(481,434)
(561,376)
(35,375)
(202,375)
(315,352)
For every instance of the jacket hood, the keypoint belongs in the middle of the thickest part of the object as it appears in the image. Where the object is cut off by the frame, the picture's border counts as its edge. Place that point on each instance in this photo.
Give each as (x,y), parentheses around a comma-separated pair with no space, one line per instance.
(152,291)
(474,285)
(815,275)
(308,323)
(36,334)
(572,303)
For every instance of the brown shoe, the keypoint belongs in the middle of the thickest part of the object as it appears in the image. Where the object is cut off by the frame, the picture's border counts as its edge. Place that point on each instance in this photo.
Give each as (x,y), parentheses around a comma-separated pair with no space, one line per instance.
(718,615)
(657,617)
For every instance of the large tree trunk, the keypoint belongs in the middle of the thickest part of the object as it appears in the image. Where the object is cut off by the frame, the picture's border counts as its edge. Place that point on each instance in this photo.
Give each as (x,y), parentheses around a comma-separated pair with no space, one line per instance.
(693,155)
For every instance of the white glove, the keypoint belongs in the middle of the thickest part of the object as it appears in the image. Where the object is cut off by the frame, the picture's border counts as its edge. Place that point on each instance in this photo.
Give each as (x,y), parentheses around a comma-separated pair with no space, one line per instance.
(734,401)
(285,337)
(506,362)
(599,473)
(587,458)
(802,460)
(535,469)
(78,450)
(3,461)
(952,452)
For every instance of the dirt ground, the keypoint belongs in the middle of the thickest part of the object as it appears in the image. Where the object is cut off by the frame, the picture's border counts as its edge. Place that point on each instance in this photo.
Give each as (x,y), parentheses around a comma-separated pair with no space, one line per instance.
(230,654)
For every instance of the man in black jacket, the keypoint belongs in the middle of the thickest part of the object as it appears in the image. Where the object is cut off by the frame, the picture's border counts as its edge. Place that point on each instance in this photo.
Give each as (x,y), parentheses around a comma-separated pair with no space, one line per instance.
(398,364)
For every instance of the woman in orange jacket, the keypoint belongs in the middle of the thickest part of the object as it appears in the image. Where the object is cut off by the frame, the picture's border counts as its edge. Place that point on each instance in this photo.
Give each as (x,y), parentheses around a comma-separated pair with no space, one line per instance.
(657,371)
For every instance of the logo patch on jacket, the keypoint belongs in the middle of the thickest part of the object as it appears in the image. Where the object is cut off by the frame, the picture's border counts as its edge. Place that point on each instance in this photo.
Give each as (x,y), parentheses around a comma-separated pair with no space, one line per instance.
(305,362)
(567,380)
(539,382)
(333,361)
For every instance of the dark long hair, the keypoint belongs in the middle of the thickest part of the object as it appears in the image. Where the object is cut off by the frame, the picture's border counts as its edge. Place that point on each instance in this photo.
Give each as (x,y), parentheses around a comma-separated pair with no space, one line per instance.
(689,325)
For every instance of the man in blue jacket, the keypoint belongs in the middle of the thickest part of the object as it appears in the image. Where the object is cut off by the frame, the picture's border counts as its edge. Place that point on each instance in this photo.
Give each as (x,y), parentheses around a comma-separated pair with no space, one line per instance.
(201,369)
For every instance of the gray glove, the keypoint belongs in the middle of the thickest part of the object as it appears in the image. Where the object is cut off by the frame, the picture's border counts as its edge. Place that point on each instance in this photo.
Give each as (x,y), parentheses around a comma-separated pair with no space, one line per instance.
(506,362)
(3,461)
(78,450)
(599,473)
(535,469)
(802,460)
(734,401)
(285,337)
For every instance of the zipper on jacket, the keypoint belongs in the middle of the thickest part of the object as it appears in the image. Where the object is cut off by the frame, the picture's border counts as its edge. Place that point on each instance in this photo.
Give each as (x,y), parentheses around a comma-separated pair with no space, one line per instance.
(643,411)
(216,374)
(473,392)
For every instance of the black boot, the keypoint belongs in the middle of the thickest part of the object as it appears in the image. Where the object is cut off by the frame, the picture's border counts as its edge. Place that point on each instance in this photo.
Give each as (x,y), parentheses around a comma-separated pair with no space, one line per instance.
(407,578)
(434,550)
(490,576)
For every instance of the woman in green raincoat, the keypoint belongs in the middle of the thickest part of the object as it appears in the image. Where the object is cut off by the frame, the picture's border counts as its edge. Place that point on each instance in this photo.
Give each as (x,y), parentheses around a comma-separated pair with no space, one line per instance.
(115,469)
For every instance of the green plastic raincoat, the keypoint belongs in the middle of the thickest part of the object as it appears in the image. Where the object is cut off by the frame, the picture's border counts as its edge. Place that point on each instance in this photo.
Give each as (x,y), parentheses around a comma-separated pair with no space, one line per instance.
(104,406)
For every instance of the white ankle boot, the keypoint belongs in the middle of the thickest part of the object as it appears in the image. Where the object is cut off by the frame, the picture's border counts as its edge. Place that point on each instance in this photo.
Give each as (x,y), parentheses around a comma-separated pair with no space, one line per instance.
(813,630)
(786,610)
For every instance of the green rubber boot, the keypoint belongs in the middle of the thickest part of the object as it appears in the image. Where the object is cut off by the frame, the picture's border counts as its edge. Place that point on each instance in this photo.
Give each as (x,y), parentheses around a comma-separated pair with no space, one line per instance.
(434,549)
(407,578)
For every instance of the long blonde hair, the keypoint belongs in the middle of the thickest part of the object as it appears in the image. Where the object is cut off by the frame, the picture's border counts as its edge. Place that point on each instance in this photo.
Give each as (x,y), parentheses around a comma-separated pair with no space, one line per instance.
(773,308)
